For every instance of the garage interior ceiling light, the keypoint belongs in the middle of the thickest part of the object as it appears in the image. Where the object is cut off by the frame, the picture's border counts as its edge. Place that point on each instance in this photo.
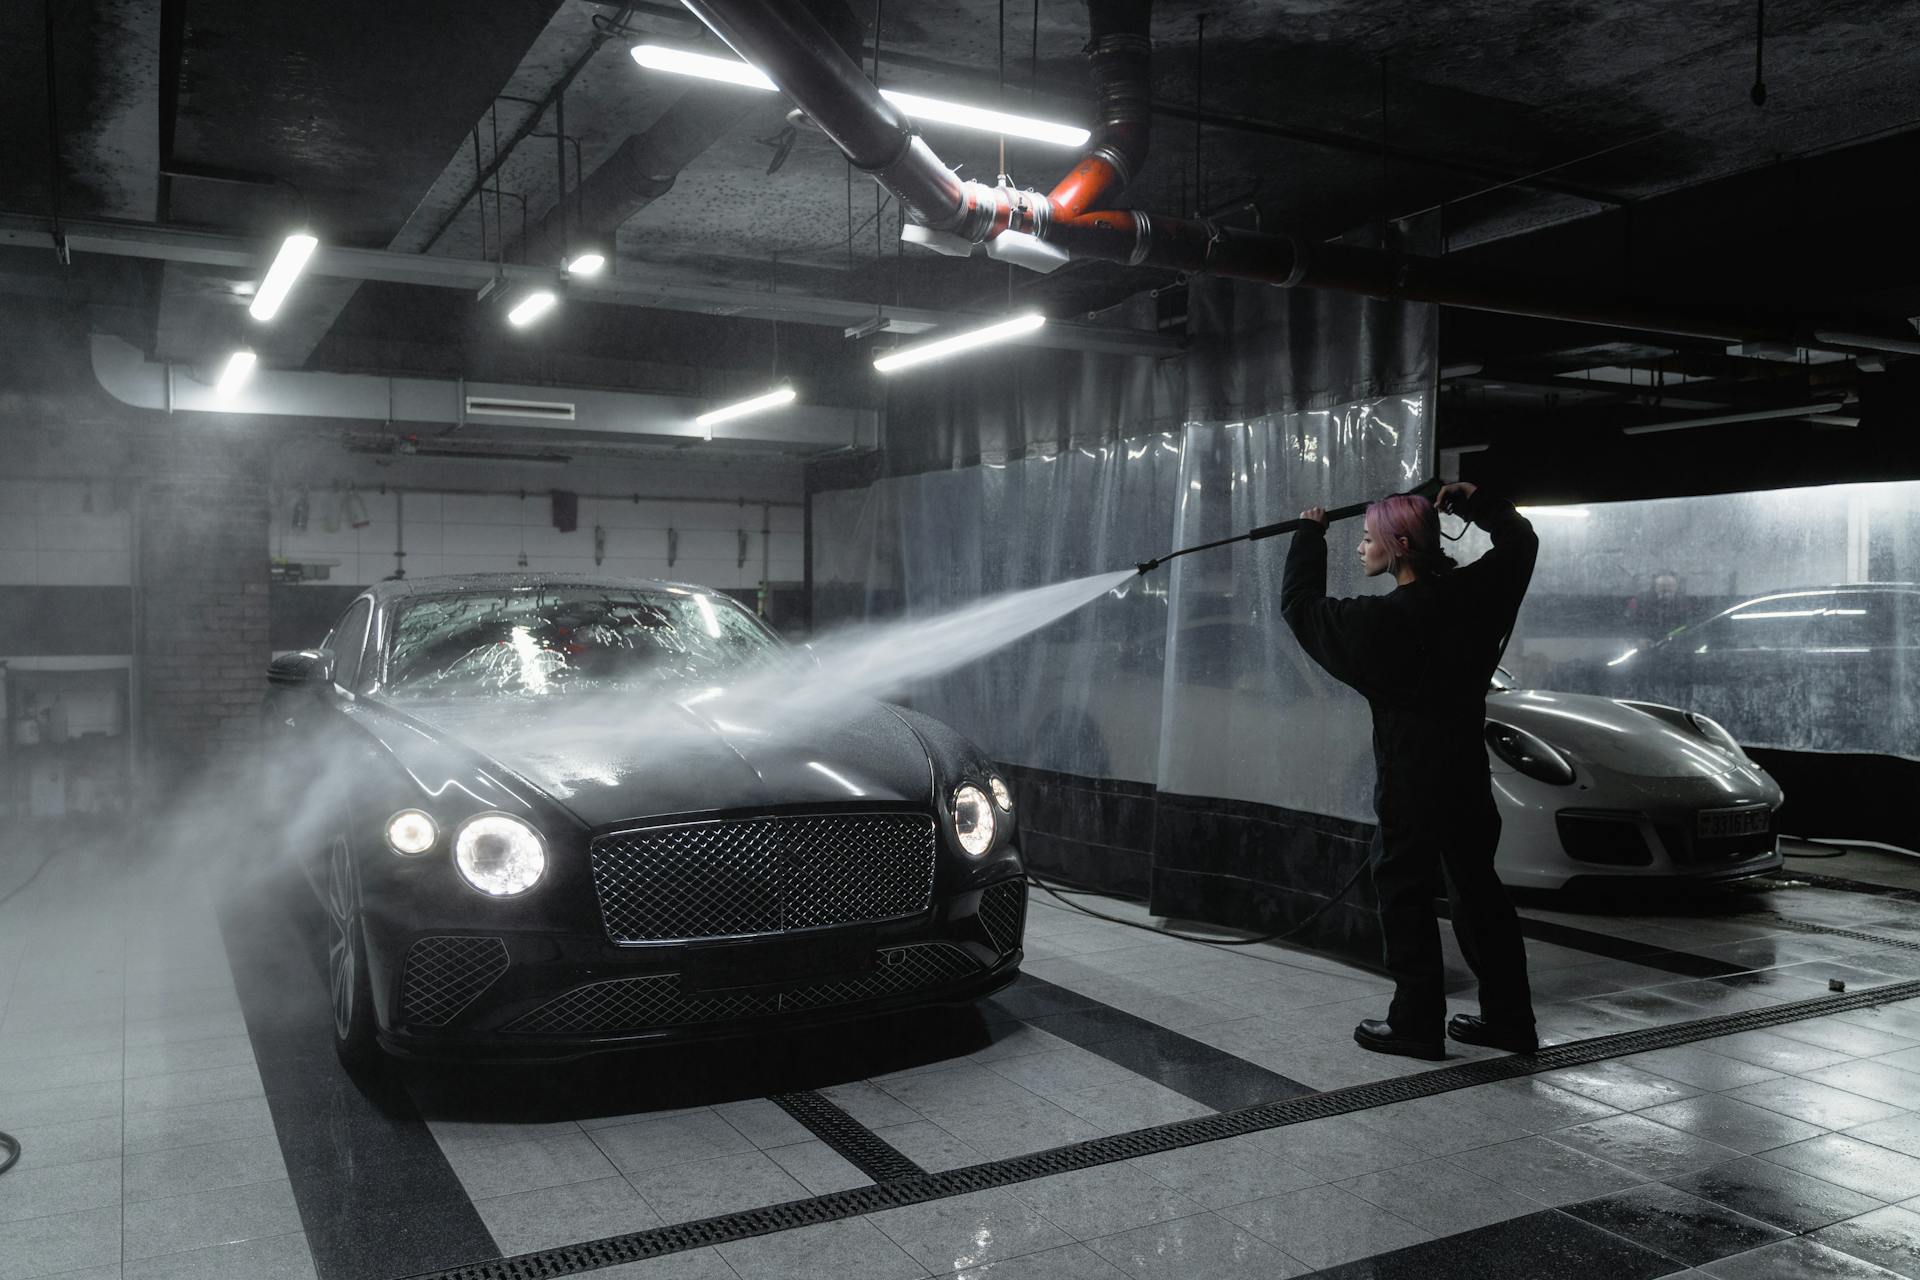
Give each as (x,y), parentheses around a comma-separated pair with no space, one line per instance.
(907,357)
(658,57)
(771,400)
(587,263)
(531,307)
(1723,419)
(1555,513)
(286,268)
(239,368)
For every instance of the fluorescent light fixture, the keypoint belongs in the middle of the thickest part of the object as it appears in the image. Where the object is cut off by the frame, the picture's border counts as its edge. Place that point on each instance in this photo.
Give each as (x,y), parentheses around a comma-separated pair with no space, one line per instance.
(906,357)
(772,400)
(587,263)
(965,117)
(1723,419)
(1776,613)
(531,307)
(1623,657)
(239,369)
(287,264)
(658,57)
(1555,513)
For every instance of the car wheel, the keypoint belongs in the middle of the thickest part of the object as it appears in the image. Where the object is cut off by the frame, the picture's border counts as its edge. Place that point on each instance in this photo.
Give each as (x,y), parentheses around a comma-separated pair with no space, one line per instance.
(347,980)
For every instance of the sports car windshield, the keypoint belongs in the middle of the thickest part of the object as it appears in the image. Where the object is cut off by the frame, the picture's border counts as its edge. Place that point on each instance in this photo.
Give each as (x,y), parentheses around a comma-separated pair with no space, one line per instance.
(568,639)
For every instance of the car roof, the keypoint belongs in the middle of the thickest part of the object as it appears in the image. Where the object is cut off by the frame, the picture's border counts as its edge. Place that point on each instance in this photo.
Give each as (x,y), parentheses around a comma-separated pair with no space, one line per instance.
(445,584)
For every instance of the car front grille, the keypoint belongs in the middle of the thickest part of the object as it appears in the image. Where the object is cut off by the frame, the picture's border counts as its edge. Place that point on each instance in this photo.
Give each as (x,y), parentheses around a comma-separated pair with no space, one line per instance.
(444,975)
(658,1000)
(1003,909)
(1606,839)
(752,876)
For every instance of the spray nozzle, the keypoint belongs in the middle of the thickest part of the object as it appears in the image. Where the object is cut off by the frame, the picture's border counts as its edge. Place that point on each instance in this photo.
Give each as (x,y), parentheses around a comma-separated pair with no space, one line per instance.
(1147,566)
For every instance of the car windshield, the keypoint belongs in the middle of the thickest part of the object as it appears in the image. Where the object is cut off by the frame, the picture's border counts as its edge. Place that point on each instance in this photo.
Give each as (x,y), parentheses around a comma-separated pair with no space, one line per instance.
(543,642)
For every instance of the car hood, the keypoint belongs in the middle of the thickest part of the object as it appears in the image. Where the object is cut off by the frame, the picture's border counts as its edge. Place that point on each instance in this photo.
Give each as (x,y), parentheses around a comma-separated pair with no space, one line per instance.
(1613,735)
(609,762)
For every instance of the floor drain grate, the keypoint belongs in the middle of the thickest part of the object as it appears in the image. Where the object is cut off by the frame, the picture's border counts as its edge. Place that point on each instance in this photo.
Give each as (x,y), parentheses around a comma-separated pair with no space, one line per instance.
(918,1189)
(859,1145)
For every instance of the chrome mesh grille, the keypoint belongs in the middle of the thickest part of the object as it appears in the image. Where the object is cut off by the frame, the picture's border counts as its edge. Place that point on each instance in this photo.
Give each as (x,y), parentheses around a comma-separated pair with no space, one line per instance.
(1003,910)
(443,975)
(762,875)
(634,1004)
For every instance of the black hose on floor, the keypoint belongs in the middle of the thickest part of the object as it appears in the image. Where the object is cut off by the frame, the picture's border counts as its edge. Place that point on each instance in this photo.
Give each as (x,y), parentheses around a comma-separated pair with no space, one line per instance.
(11,1145)
(1276,936)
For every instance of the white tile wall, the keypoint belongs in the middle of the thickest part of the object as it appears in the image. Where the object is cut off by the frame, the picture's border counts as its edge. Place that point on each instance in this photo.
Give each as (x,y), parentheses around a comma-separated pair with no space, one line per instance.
(48,539)
(464,533)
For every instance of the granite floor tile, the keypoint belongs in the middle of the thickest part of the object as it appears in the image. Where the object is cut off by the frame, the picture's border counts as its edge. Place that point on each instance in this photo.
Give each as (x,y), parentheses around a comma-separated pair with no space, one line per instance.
(63,1105)
(1439,1196)
(1439,1125)
(1686,1228)
(1814,1103)
(969,1231)
(1700,1067)
(763,1123)
(1732,1123)
(1896,1133)
(1203,1245)
(1071,1262)
(527,1165)
(64,1072)
(1130,1104)
(818,1167)
(1887,1237)
(527,1221)
(194,1088)
(871,1105)
(1101,1201)
(1018,1125)
(1777,1053)
(1785,1198)
(188,1055)
(60,1243)
(1802,1259)
(1619,1085)
(1537,1105)
(28,1191)
(1336,1148)
(203,1219)
(1233,1171)
(210,1166)
(274,1258)
(67,1141)
(1055,1072)
(1881,1081)
(192,1126)
(929,1146)
(693,1264)
(1546,1171)
(655,1144)
(1643,1146)
(705,1188)
(851,1250)
(1323,1226)
(1846,1037)
(1848,1162)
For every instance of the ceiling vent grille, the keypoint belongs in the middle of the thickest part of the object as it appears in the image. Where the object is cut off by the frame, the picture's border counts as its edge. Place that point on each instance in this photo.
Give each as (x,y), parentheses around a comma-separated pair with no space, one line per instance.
(494,407)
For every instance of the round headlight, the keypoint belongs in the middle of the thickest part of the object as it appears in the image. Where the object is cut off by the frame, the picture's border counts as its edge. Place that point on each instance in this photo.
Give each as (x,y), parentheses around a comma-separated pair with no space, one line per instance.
(499,855)
(1001,796)
(1528,754)
(411,832)
(973,820)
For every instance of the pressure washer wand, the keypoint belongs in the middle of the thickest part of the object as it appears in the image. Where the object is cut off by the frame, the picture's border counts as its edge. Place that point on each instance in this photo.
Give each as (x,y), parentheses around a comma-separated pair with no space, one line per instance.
(1428,490)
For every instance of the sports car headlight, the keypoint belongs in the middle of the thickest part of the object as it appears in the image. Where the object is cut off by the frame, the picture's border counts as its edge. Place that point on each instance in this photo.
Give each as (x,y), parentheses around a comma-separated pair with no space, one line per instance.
(1001,796)
(1528,753)
(973,820)
(499,854)
(411,832)
(1715,732)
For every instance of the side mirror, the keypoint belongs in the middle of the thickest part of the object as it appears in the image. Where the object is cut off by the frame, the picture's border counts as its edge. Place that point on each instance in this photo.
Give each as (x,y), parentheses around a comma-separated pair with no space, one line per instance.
(304,668)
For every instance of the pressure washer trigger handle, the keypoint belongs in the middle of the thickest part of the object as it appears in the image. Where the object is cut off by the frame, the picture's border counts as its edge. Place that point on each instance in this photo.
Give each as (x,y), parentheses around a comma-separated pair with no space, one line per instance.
(1269,530)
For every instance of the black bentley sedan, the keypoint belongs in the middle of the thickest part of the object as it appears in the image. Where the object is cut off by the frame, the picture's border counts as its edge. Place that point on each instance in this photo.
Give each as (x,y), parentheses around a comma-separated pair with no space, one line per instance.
(548,825)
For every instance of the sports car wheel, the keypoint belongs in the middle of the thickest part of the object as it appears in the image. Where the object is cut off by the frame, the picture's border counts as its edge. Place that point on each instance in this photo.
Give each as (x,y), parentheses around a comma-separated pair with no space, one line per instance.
(347,979)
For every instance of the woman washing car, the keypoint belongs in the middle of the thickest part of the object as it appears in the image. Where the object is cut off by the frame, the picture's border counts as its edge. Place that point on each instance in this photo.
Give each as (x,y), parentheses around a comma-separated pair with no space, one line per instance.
(1422,656)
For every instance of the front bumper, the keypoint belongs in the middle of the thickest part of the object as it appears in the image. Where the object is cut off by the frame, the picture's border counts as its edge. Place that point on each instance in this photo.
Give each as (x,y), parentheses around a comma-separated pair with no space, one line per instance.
(544,996)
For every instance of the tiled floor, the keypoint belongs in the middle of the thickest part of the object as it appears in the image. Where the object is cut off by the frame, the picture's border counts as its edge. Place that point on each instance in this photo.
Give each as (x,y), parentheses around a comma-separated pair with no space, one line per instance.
(170,1130)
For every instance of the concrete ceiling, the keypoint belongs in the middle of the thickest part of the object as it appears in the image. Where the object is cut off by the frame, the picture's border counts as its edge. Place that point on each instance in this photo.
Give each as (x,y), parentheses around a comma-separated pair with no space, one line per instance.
(374,120)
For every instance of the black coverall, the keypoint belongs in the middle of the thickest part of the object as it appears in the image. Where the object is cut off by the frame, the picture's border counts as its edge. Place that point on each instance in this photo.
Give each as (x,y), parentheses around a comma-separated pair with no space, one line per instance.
(1423,656)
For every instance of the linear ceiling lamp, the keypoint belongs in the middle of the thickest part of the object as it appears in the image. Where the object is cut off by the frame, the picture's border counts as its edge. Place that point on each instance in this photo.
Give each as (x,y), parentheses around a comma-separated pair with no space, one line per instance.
(286,268)
(1724,419)
(658,57)
(759,404)
(238,369)
(588,262)
(907,357)
(531,308)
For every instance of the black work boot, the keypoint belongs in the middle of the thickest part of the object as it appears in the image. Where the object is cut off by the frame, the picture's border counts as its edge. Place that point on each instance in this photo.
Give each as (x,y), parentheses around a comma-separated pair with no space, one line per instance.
(1468,1029)
(1380,1037)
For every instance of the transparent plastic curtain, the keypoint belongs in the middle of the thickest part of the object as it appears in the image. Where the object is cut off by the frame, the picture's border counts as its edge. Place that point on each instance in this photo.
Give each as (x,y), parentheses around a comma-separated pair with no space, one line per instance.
(1790,616)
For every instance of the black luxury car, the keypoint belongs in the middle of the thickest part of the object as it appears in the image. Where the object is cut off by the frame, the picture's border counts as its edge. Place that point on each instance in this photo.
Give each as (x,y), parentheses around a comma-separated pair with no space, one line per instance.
(550,822)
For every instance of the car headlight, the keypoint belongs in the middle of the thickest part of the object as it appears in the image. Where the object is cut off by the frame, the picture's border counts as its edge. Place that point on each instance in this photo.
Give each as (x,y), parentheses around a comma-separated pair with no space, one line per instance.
(411,832)
(1528,753)
(499,855)
(1715,732)
(973,820)
(1001,796)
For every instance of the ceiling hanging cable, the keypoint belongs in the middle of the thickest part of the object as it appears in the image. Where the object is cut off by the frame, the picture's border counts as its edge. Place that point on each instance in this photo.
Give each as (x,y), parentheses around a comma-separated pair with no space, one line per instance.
(53,143)
(1759,91)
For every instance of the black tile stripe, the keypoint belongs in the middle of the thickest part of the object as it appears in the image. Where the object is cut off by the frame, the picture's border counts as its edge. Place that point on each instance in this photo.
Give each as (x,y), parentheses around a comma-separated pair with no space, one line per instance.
(375,1193)
(859,1145)
(839,1205)
(1210,1076)
(1899,894)
(1574,938)
(1548,1243)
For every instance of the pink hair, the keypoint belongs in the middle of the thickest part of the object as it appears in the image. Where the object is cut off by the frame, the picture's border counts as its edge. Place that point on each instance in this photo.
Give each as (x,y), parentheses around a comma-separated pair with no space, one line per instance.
(1409,516)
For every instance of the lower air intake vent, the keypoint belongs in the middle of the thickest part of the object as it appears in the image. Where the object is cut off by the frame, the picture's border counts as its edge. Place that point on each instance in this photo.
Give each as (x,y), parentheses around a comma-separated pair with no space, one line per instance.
(444,975)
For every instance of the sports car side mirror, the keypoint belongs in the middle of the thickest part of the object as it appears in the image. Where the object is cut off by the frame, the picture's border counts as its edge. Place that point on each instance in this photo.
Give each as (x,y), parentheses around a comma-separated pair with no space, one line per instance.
(308,668)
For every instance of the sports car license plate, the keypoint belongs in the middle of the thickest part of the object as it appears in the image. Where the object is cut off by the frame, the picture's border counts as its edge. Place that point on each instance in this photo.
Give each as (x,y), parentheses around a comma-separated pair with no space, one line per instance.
(1719,824)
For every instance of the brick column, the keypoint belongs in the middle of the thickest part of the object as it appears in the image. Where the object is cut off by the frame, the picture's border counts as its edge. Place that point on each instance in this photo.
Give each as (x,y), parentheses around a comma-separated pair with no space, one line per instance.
(201,646)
